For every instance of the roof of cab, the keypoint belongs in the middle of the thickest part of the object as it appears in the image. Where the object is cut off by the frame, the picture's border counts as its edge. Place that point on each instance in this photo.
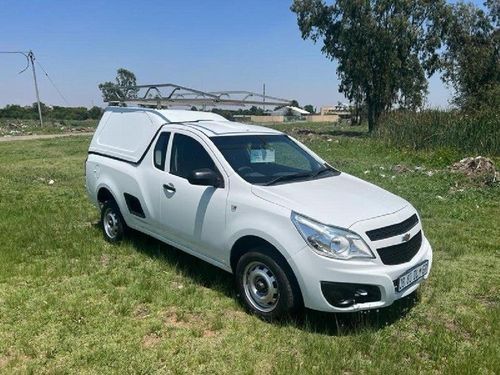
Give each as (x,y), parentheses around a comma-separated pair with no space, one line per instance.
(222,128)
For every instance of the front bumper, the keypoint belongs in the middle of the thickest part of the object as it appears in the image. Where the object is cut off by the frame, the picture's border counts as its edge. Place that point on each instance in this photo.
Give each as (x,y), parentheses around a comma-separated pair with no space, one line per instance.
(312,270)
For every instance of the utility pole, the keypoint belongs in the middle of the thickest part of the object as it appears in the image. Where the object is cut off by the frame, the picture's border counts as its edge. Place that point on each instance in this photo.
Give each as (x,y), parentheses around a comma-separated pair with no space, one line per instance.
(31,56)
(264,96)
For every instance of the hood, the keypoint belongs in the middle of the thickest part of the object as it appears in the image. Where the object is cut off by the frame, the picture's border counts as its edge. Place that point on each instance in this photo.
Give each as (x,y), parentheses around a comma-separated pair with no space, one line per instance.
(338,200)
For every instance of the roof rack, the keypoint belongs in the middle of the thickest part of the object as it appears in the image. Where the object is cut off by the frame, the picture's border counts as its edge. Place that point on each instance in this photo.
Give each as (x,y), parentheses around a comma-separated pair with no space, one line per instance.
(177,95)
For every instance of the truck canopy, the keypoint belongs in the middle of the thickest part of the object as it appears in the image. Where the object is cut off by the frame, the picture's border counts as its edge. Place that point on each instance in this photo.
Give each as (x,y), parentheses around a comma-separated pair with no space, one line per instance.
(126,132)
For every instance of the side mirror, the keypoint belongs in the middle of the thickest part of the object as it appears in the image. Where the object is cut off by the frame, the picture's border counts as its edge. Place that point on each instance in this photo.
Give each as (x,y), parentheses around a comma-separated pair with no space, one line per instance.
(205,177)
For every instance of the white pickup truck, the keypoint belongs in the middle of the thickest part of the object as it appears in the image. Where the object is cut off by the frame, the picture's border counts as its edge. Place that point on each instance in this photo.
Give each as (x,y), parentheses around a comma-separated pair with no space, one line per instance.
(257,203)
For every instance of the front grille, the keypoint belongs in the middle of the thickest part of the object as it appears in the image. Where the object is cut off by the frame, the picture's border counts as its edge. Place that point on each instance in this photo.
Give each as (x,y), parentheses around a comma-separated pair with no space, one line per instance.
(401,253)
(393,230)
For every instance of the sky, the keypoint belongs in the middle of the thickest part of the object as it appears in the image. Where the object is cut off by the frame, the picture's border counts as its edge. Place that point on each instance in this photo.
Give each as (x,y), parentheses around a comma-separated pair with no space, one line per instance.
(208,45)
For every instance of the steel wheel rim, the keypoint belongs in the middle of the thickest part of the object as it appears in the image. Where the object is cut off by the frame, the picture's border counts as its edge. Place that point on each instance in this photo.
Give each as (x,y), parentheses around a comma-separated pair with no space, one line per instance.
(111,226)
(261,286)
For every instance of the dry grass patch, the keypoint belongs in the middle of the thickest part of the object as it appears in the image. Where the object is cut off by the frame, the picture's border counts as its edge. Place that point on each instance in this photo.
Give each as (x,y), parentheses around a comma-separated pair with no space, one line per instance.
(150,340)
(104,260)
(13,358)
(182,320)
(141,312)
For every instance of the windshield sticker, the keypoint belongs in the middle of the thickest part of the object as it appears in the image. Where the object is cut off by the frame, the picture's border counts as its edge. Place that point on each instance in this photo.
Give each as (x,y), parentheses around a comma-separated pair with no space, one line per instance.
(262,155)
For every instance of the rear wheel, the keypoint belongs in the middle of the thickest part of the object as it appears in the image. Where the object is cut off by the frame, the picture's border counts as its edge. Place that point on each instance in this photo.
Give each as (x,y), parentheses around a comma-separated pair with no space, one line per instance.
(264,286)
(113,225)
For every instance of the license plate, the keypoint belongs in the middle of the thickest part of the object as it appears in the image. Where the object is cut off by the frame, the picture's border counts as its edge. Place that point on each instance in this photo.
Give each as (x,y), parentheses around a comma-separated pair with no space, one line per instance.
(411,276)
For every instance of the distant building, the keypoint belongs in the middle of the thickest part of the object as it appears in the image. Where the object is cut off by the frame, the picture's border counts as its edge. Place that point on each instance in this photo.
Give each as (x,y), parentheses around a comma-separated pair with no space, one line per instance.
(290,111)
(295,114)
(339,109)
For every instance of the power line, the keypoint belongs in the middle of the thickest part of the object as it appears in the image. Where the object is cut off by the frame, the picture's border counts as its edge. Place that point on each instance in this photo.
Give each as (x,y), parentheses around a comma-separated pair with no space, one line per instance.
(30,59)
(28,55)
(24,53)
(52,82)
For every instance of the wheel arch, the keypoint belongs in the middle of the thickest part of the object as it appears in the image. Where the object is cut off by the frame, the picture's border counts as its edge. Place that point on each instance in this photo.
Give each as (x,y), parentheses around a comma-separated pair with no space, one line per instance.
(249,243)
(104,194)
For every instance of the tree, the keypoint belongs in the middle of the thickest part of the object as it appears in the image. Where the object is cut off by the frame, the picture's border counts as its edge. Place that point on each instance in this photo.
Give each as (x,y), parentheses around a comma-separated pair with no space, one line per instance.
(255,111)
(95,112)
(471,61)
(55,112)
(121,89)
(43,108)
(384,48)
(309,108)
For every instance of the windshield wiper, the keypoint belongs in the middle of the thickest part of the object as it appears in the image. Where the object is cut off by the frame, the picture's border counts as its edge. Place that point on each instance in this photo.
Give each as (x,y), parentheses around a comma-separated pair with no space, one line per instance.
(287,177)
(320,171)
(314,174)
(323,170)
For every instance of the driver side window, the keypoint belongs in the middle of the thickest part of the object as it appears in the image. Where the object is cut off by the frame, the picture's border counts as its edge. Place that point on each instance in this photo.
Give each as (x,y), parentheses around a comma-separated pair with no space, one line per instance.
(188,155)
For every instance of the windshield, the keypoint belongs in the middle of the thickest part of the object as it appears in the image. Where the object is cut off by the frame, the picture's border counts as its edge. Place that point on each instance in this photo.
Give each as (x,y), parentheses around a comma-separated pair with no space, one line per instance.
(270,159)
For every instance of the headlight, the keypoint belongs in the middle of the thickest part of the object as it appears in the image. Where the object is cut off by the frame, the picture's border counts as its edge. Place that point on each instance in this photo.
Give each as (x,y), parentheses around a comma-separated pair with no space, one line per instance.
(330,241)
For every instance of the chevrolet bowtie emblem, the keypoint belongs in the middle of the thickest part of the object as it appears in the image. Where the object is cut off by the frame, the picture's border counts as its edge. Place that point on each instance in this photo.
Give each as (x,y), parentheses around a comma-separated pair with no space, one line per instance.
(406,237)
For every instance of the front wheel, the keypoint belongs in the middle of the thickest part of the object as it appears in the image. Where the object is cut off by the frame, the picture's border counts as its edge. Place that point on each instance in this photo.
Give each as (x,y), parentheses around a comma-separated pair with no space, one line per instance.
(113,225)
(265,287)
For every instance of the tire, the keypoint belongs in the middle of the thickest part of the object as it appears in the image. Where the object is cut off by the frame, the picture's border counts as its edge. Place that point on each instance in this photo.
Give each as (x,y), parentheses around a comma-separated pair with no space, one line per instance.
(265,287)
(112,223)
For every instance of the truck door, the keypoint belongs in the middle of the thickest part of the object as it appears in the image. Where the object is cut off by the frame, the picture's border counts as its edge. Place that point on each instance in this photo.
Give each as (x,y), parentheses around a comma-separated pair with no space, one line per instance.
(194,216)
(154,173)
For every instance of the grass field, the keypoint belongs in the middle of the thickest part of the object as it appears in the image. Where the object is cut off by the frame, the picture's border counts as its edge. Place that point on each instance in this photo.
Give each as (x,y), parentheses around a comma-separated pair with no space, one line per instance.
(473,132)
(70,302)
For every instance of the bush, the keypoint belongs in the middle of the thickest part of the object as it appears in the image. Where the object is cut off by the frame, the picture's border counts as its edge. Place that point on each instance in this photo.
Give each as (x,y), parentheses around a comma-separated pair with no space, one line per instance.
(477,133)
(56,112)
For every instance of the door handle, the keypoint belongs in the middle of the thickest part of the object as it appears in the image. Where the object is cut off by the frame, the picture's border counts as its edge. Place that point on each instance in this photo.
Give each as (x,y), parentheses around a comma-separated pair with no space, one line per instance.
(170,188)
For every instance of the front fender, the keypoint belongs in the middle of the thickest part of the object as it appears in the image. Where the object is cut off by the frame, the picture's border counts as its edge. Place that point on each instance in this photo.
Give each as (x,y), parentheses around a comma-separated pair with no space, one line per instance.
(267,221)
